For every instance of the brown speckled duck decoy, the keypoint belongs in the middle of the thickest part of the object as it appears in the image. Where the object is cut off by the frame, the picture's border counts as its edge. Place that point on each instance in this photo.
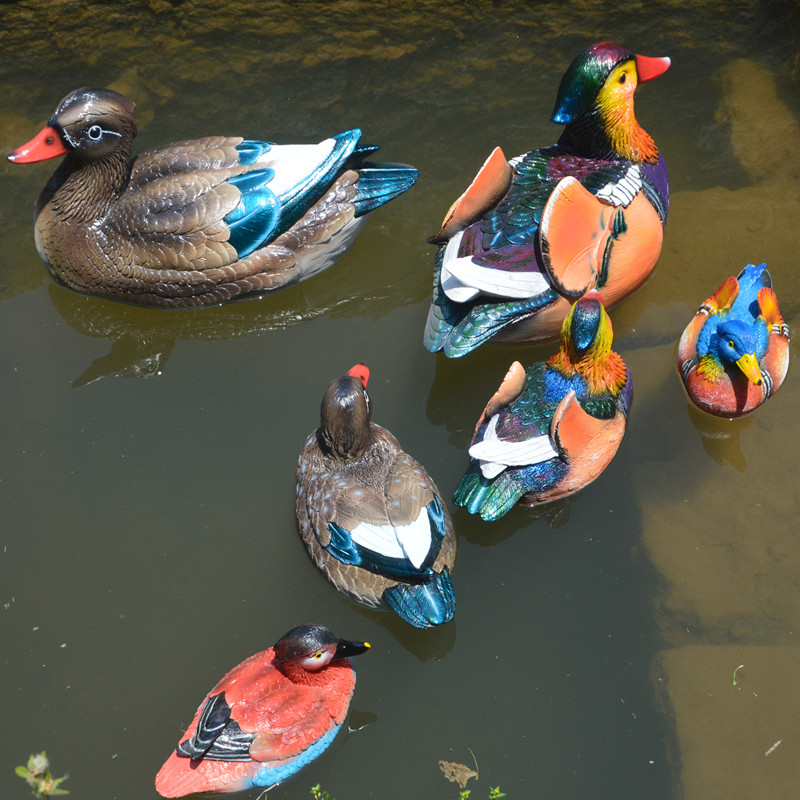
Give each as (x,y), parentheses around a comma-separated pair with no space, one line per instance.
(197,222)
(370,515)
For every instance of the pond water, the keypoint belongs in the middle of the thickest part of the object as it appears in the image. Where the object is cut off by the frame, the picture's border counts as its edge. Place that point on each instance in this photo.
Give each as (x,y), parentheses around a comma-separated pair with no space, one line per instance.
(147,464)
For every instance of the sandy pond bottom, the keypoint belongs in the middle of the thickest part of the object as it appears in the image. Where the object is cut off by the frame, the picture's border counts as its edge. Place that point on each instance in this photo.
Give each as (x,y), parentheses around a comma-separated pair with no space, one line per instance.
(730,600)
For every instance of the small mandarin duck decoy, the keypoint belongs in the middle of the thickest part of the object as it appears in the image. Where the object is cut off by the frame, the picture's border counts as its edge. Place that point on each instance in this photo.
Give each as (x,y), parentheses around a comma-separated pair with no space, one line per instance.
(267,718)
(196,222)
(734,354)
(371,517)
(530,236)
(548,432)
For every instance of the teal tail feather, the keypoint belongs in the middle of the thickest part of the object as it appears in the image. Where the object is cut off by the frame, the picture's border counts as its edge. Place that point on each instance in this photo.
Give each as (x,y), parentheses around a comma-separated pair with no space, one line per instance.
(424,605)
(490,499)
(459,329)
(378,183)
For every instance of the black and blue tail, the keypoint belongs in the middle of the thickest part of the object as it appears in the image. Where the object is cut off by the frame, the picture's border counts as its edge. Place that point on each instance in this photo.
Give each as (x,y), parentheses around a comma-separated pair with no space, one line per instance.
(424,605)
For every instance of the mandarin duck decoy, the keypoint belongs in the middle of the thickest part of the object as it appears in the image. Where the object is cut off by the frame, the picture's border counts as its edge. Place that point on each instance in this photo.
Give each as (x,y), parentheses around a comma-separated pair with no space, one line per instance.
(734,354)
(267,718)
(371,517)
(530,236)
(196,222)
(551,430)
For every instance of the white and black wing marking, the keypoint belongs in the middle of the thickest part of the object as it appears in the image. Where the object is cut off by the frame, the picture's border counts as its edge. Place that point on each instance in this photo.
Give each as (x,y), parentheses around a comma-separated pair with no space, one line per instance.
(218,736)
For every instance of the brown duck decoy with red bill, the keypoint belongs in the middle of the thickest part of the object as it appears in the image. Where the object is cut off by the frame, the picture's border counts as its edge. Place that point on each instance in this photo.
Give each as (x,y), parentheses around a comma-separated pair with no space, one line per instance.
(370,515)
(196,222)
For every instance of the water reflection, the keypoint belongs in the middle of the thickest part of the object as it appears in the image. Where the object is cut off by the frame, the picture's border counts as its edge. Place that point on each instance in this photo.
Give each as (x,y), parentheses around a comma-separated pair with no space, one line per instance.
(721,437)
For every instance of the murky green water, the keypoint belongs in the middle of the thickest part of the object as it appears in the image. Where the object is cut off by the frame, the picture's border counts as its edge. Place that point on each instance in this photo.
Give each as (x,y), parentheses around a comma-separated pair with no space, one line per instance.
(147,459)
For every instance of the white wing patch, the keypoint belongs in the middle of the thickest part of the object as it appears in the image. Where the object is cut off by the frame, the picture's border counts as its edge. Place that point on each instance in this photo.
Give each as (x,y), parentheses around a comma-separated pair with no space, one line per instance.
(494,455)
(293,163)
(623,191)
(412,541)
(463,280)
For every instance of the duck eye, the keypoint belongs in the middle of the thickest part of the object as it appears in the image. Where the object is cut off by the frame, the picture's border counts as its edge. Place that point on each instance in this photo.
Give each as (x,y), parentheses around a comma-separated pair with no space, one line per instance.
(95,133)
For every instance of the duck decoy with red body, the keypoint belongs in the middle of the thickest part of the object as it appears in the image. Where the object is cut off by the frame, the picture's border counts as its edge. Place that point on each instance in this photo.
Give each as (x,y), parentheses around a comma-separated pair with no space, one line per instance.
(267,718)
(371,517)
(530,236)
(549,432)
(196,222)
(734,354)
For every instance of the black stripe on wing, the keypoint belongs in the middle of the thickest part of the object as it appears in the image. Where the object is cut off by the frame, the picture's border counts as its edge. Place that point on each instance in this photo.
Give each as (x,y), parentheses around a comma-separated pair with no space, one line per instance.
(218,737)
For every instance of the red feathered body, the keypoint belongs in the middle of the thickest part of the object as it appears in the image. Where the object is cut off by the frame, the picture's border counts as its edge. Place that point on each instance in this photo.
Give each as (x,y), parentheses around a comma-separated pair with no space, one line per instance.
(293,716)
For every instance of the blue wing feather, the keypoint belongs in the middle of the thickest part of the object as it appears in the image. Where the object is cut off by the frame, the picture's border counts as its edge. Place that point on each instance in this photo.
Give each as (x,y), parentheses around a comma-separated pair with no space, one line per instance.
(254,220)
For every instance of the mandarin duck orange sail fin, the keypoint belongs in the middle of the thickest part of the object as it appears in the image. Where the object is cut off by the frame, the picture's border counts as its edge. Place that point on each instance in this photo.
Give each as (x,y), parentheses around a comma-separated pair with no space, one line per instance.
(574,236)
(485,191)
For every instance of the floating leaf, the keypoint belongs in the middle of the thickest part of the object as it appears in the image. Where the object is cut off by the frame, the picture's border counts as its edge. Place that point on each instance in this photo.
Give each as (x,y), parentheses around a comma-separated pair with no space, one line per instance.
(457,773)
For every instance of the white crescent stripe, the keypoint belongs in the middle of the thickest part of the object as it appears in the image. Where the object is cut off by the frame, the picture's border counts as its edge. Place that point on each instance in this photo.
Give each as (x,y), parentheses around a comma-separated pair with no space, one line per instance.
(492,452)
(412,541)
(463,280)
(293,163)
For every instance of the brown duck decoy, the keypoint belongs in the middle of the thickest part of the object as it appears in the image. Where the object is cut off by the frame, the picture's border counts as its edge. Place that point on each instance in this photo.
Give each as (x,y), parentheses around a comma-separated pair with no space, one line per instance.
(196,222)
(371,517)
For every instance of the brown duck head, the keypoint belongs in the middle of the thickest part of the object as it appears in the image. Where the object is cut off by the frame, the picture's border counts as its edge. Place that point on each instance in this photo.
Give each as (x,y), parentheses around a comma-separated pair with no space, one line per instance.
(89,124)
(345,413)
(94,129)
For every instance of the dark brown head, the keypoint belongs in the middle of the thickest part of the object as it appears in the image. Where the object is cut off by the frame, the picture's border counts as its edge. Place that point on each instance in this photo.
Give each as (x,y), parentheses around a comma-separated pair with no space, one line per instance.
(313,647)
(91,124)
(345,413)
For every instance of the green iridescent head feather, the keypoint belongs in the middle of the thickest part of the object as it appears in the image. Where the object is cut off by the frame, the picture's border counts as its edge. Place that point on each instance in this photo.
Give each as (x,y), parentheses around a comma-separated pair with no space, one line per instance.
(584,78)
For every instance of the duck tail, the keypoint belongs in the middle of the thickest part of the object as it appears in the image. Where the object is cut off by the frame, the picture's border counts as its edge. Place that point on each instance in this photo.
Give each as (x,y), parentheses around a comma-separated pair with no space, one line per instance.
(754,276)
(426,604)
(459,328)
(378,183)
(491,499)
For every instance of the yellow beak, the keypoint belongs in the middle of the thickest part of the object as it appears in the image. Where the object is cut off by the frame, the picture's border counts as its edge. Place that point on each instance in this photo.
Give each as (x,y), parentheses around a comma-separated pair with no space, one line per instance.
(748,364)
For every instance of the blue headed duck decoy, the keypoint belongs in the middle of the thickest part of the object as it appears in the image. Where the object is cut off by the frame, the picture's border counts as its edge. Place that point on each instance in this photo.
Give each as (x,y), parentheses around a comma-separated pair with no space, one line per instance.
(267,718)
(734,354)
(371,517)
(551,430)
(530,236)
(196,222)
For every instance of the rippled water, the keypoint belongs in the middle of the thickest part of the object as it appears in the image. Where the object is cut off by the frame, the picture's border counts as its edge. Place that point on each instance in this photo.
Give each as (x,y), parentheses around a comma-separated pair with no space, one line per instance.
(147,461)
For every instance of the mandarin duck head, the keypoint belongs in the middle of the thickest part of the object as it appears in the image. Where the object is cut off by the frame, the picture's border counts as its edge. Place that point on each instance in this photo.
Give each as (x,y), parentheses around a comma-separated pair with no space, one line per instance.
(595,102)
(587,330)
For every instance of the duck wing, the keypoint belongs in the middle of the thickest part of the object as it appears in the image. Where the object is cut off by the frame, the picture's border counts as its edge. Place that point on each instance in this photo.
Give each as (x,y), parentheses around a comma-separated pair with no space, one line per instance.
(382,516)
(204,204)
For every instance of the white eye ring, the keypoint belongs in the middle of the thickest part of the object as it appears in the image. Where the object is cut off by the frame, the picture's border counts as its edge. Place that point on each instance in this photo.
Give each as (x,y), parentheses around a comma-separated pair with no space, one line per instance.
(95,133)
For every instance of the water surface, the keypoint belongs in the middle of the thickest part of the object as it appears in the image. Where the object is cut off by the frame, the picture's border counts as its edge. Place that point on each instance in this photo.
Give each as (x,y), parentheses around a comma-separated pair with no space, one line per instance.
(147,463)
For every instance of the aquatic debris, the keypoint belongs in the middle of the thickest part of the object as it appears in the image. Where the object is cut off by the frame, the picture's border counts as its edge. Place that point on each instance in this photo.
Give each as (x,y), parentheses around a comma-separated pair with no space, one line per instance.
(37,775)
(773,748)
